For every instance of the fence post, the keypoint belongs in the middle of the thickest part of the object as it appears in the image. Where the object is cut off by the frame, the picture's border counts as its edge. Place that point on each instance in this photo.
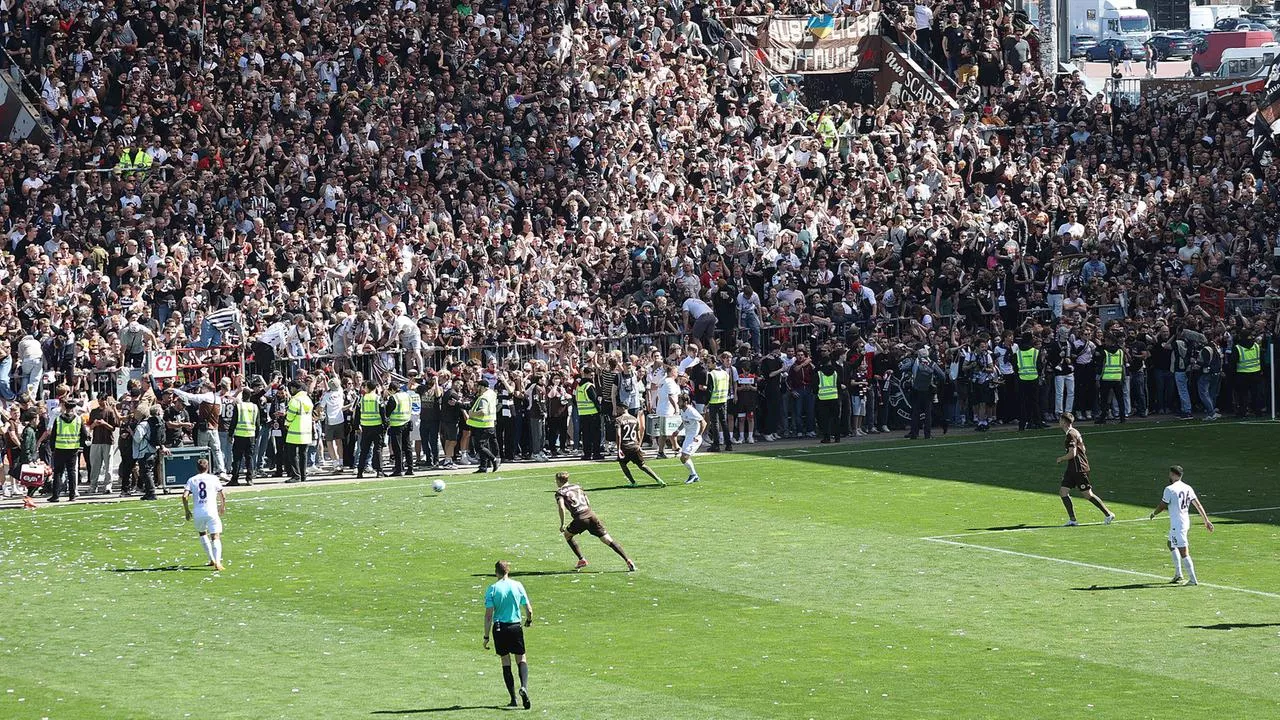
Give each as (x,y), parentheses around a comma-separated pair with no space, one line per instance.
(1271,360)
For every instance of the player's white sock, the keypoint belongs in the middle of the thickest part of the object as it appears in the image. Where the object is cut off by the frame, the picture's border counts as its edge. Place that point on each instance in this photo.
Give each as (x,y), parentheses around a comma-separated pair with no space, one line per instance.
(1177,564)
(689,464)
(1190,569)
(217,550)
(208,547)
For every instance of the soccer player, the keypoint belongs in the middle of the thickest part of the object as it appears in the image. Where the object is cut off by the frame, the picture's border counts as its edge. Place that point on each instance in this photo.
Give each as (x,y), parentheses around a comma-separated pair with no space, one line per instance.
(694,426)
(211,505)
(1178,496)
(574,499)
(1077,473)
(629,445)
(504,603)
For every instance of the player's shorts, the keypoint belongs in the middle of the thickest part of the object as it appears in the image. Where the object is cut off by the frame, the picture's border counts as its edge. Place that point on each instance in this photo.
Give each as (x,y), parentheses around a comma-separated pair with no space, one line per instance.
(691,444)
(588,524)
(208,524)
(1077,481)
(631,455)
(1178,538)
(508,638)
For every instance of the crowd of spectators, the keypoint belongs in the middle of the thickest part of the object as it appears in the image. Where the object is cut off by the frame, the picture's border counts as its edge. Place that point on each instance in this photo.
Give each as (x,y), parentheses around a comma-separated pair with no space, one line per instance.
(549,179)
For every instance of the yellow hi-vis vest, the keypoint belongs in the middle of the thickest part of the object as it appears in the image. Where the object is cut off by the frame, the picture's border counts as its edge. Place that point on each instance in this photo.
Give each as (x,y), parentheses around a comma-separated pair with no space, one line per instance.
(585,406)
(827,387)
(246,420)
(66,435)
(403,412)
(1248,359)
(1027,364)
(298,416)
(370,415)
(484,411)
(1113,366)
(719,387)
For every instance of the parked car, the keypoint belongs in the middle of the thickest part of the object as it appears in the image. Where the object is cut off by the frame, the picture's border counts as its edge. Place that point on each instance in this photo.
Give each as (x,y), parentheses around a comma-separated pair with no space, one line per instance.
(1080,44)
(1102,51)
(1170,45)
(1237,23)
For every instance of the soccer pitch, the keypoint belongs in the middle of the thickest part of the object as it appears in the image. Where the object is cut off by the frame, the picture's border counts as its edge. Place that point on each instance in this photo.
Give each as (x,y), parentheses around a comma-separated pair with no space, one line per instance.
(855,581)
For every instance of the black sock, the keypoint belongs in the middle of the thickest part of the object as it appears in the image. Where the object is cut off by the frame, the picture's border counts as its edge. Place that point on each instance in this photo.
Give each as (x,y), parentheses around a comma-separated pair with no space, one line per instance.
(617,548)
(524,675)
(1098,504)
(510,679)
(1071,511)
(573,545)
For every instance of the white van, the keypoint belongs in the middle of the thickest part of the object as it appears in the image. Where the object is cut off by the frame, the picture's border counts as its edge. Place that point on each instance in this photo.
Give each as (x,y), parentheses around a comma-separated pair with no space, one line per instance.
(1243,62)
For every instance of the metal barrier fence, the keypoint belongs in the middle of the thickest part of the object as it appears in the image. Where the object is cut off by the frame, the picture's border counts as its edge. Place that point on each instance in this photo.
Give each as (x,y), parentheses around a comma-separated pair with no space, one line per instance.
(1252,305)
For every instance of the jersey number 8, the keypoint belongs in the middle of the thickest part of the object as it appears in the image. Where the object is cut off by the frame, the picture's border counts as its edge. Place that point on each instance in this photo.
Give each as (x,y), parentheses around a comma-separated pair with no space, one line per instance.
(203,493)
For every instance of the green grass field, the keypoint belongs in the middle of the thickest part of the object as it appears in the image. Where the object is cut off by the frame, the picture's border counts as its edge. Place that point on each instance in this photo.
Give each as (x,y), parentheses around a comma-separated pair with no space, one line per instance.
(788,584)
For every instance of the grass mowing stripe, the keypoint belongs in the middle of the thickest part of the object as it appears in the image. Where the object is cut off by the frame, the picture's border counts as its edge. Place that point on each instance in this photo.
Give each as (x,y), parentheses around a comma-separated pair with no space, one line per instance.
(1098,522)
(1092,566)
(799,454)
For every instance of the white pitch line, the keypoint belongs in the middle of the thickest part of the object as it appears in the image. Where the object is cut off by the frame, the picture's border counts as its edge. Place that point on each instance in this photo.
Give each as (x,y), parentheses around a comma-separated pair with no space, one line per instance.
(800,454)
(1056,527)
(1092,566)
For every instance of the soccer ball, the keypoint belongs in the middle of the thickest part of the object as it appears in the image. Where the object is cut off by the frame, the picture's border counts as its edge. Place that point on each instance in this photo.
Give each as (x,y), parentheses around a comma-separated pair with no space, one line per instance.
(438,486)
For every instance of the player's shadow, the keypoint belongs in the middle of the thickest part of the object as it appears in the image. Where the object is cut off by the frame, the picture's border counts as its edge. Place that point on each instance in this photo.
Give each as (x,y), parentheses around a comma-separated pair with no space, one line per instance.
(544,573)
(1022,526)
(1233,626)
(451,708)
(648,486)
(162,568)
(1131,586)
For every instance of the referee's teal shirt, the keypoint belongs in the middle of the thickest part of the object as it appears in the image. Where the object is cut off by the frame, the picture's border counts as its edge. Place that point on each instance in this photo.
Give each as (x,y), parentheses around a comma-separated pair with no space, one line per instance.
(506,597)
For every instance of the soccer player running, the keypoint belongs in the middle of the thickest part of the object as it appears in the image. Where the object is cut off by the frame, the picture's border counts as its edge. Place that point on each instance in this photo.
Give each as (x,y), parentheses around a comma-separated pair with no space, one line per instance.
(574,499)
(1077,473)
(628,428)
(504,603)
(210,506)
(1178,496)
(694,426)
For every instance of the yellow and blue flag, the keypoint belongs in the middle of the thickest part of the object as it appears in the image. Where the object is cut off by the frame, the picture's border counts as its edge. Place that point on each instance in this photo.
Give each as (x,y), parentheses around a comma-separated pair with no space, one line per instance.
(821,25)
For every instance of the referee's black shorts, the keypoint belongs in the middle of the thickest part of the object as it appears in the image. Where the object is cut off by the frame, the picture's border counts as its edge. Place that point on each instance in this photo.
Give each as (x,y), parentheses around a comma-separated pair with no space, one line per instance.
(508,638)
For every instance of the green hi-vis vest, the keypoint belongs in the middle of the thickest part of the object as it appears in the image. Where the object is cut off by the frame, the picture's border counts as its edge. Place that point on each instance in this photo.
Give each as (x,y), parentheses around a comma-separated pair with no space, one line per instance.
(719,387)
(1027,364)
(585,406)
(484,411)
(403,412)
(247,420)
(1113,367)
(827,387)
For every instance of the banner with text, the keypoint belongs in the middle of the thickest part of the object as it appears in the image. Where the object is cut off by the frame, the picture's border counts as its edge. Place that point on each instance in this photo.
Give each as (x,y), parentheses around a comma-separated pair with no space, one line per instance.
(807,43)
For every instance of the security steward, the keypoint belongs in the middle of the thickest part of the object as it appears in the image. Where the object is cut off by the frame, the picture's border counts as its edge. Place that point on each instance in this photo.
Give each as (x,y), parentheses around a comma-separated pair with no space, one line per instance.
(588,404)
(1248,376)
(246,424)
(1111,380)
(399,415)
(717,408)
(1029,365)
(481,419)
(372,421)
(299,432)
(827,409)
(69,436)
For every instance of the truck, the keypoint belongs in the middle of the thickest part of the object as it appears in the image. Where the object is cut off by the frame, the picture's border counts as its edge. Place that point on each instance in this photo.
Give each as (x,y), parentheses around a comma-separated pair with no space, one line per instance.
(1169,14)
(1204,17)
(1107,19)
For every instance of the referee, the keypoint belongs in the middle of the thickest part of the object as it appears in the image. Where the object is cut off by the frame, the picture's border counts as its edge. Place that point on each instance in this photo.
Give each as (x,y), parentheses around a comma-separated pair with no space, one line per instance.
(502,603)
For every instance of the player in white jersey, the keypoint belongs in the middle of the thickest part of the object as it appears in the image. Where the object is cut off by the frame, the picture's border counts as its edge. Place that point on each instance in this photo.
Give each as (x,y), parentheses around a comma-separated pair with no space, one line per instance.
(210,505)
(1178,497)
(694,426)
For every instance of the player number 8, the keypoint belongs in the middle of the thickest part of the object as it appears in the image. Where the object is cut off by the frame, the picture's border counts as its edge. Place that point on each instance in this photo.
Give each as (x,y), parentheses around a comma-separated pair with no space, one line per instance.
(203,493)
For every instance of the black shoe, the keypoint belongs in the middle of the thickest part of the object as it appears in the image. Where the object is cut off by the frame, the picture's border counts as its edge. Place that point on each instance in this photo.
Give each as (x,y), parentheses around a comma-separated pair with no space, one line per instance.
(524,698)
(234,483)
(728,448)
(150,496)
(513,703)
(53,499)
(480,471)
(714,448)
